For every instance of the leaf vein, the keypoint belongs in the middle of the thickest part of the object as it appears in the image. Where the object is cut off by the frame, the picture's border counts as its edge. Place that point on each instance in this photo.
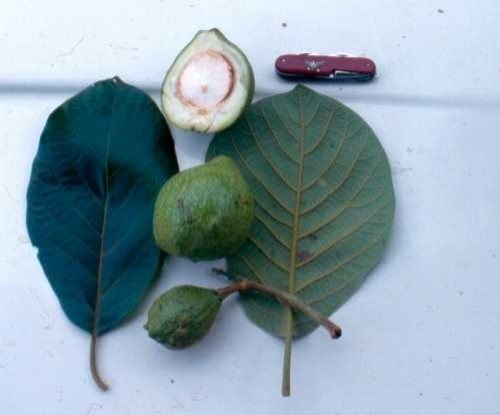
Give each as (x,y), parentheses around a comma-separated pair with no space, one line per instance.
(278,141)
(269,212)
(332,161)
(69,255)
(250,266)
(271,231)
(286,208)
(347,206)
(65,225)
(338,186)
(265,253)
(341,238)
(282,121)
(273,167)
(126,269)
(323,133)
(341,265)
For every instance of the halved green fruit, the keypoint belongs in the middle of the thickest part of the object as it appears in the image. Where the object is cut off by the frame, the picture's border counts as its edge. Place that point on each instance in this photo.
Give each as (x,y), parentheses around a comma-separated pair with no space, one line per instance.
(209,84)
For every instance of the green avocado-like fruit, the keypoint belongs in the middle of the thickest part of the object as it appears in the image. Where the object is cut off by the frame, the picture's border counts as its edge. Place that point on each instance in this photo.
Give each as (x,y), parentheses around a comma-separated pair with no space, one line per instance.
(182,315)
(209,85)
(205,212)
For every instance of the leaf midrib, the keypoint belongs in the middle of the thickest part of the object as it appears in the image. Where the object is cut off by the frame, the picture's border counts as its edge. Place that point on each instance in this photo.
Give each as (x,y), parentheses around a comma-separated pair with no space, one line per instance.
(95,320)
(295,228)
(296,211)
(293,259)
(101,264)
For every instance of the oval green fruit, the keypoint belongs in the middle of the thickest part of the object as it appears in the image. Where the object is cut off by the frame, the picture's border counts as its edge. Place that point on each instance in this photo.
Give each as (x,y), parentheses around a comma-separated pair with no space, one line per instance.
(182,315)
(205,212)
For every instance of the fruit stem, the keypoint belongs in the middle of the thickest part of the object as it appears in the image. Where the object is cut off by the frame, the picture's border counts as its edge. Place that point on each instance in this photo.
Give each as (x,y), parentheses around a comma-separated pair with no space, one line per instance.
(290,300)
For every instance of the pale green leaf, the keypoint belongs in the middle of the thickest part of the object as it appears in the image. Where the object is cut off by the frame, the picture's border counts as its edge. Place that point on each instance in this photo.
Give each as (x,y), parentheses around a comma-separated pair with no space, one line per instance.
(324,203)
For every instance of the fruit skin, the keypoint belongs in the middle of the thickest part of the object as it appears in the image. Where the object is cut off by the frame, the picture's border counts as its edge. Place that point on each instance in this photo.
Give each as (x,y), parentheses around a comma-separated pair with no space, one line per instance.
(182,315)
(248,80)
(205,212)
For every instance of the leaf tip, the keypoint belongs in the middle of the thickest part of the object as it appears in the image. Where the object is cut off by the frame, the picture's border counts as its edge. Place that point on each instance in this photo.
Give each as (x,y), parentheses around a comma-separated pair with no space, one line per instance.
(299,88)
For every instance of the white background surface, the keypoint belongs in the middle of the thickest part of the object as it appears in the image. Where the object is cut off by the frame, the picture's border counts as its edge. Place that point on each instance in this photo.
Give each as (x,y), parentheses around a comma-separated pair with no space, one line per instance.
(422,336)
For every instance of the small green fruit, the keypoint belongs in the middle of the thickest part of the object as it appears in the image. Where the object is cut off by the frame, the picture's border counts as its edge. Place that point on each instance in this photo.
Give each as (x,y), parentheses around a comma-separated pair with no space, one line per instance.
(182,315)
(205,212)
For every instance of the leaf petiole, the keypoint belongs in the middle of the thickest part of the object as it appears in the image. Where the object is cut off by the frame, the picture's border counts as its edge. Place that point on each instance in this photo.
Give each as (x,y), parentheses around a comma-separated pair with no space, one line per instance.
(93,364)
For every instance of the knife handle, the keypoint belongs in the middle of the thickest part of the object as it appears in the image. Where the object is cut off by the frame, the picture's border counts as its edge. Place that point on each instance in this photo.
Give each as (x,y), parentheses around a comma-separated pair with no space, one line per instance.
(312,66)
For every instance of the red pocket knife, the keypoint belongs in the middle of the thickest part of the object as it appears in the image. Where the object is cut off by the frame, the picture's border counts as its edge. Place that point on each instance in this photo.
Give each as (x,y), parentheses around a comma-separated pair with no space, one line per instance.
(335,67)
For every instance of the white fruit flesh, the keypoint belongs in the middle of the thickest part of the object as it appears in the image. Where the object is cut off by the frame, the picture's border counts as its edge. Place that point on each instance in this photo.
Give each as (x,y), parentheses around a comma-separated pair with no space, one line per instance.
(206,80)
(208,86)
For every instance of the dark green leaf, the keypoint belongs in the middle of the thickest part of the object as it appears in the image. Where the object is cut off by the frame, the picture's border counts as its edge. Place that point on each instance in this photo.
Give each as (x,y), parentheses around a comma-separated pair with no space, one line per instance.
(102,158)
(324,203)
